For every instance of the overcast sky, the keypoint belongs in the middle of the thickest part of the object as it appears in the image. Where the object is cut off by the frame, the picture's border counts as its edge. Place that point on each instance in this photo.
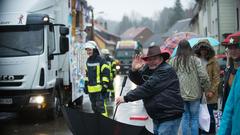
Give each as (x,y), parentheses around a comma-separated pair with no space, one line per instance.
(115,9)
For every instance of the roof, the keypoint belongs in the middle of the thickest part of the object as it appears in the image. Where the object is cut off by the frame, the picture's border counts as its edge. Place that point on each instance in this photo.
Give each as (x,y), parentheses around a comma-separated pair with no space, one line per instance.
(108,42)
(156,38)
(179,26)
(132,32)
(105,35)
(100,28)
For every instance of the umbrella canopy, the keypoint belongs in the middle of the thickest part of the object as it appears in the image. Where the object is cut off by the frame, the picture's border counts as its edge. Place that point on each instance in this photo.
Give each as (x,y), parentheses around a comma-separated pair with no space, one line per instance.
(193,41)
(82,123)
(171,42)
(213,42)
(232,39)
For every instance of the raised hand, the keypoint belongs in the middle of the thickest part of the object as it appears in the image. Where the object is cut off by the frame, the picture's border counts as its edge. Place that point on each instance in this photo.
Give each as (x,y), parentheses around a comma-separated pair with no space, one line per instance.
(137,63)
(119,100)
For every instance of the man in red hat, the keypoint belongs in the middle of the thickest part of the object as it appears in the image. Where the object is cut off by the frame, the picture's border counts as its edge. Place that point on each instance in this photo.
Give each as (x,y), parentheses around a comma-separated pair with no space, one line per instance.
(229,124)
(232,43)
(159,88)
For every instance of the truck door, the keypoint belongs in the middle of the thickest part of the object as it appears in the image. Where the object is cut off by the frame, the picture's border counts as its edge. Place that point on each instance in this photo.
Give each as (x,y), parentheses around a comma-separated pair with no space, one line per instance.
(52,60)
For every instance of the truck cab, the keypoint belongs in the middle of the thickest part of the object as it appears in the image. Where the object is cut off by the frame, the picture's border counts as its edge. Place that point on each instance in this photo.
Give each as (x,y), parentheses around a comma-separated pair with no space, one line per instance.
(33,60)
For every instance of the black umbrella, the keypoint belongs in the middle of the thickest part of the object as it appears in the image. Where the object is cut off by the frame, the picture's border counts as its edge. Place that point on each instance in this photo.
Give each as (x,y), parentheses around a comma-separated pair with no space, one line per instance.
(82,123)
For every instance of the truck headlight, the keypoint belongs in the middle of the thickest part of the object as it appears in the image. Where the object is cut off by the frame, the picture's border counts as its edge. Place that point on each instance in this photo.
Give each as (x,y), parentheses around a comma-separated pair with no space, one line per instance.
(46,19)
(36,99)
(118,67)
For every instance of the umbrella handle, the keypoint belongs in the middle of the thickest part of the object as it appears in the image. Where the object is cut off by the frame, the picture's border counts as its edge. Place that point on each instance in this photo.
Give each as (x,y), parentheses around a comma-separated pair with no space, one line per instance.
(115,111)
(123,85)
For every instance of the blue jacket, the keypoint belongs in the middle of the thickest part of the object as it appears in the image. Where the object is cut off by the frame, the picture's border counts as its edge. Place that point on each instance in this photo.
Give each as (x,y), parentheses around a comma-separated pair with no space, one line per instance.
(231,115)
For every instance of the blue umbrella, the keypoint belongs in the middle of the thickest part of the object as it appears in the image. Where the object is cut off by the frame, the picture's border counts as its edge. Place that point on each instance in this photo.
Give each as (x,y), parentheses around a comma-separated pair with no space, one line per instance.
(213,42)
(193,41)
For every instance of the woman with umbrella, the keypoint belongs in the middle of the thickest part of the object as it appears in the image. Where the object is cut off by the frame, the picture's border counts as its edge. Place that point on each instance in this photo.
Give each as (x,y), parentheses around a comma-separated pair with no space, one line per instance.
(206,53)
(192,77)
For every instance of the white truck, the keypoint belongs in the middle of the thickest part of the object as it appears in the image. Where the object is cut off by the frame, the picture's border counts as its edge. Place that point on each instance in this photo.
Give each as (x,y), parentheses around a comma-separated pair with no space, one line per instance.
(34,60)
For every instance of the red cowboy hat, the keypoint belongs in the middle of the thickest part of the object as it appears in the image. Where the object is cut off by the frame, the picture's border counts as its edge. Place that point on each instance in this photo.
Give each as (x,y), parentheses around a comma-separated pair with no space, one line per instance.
(232,39)
(155,51)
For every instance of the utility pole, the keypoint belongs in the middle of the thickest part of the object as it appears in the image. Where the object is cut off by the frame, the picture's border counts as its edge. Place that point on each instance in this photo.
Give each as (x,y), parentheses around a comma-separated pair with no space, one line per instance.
(73,18)
(81,16)
(92,30)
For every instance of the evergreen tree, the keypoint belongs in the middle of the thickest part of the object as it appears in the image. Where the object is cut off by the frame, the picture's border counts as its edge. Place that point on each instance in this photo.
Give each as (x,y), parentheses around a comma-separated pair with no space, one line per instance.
(178,13)
(124,24)
(146,22)
(162,23)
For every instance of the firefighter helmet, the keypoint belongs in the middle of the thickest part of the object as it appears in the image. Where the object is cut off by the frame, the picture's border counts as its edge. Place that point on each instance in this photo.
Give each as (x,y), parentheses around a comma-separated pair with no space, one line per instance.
(91,45)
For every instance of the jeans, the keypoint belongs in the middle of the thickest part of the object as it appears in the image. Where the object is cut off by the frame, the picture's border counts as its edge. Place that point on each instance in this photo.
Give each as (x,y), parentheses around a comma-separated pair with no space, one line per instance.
(190,118)
(167,127)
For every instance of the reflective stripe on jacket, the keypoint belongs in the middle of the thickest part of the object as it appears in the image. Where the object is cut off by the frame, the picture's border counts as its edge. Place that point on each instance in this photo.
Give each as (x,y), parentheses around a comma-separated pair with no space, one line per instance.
(112,67)
(97,73)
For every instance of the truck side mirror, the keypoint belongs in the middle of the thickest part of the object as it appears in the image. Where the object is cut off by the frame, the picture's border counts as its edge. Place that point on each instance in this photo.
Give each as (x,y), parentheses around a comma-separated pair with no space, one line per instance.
(64,30)
(64,42)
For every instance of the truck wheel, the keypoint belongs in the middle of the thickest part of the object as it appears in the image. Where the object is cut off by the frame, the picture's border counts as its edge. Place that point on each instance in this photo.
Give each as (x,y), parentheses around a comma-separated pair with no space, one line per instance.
(54,112)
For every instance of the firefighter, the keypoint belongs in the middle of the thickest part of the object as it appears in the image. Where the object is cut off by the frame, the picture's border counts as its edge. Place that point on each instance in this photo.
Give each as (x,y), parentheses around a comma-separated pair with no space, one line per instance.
(97,78)
(112,67)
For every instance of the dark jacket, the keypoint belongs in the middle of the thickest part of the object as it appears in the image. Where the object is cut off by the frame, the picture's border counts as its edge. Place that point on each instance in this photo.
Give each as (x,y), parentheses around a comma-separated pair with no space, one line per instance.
(226,88)
(97,73)
(159,90)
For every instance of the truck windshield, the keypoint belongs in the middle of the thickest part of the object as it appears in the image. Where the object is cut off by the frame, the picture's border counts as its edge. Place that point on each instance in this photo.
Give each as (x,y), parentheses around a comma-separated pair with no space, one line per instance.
(21,40)
(125,54)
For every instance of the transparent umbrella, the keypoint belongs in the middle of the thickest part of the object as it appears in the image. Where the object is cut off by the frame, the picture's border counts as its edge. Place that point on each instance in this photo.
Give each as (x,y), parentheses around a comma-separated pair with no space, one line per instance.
(171,42)
(193,41)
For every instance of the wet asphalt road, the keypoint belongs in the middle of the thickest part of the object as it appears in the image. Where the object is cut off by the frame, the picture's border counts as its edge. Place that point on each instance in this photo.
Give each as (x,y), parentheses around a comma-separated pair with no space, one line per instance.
(36,124)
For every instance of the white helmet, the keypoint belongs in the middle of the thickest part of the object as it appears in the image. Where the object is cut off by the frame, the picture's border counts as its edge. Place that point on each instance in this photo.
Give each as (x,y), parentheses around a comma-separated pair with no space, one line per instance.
(105,51)
(90,44)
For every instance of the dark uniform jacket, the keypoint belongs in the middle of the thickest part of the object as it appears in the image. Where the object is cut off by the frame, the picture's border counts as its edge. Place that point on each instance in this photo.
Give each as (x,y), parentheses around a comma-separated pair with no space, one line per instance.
(97,73)
(226,88)
(112,68)
(159,90)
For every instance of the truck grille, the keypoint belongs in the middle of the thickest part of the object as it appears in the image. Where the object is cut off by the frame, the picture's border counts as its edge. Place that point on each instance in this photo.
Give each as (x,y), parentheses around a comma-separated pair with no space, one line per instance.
(18,77)
(11,81)
(10,84)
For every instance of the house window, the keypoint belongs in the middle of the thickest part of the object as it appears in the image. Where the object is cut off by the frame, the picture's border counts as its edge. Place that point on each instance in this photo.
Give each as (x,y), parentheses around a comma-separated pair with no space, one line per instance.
(206,33)
(51,42)
(237,19)
(213,30)
(204,7)
(216,25)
